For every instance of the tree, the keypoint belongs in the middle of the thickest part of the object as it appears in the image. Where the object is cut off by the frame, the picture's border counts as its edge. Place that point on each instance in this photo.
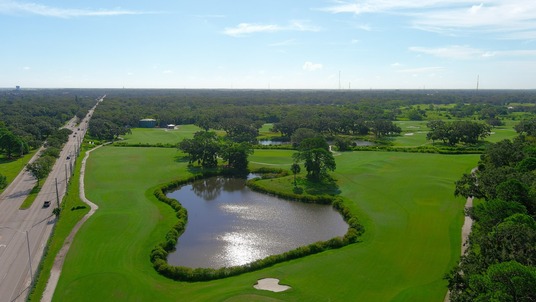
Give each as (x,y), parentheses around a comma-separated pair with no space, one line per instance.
(295,168)
(383,127)
(467,186)
(508,281)
(240,130)
(317,158)
(527,127)
(343,143)
(457,132)
(3,181)
(515,191)
(236,154)
(492,212)
(203,148)
(11,144)
(40,168)
(300,134)
(512,239)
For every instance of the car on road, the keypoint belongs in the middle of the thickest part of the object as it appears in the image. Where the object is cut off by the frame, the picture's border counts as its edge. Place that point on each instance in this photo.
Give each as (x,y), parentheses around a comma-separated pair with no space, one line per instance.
(68,157)
(46,204)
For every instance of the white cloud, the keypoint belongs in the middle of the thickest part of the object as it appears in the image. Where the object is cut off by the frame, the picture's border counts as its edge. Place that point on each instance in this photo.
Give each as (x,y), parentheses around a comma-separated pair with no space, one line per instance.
(466,52)
(244,29)
(310,66)
(451,52)
(513,19)
(15,7)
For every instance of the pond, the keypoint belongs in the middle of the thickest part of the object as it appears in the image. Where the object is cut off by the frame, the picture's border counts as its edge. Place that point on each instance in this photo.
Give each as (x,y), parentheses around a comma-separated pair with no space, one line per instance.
(268,142)
(364,143)
(229,224)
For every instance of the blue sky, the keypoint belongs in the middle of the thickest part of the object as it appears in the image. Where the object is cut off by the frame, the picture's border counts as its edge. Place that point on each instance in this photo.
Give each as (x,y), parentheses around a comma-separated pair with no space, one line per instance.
(292,44)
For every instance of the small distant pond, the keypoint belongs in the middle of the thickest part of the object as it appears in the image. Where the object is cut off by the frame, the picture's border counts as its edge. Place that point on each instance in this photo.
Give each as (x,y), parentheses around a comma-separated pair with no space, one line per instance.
(267,142)
(363,143)
(229,224)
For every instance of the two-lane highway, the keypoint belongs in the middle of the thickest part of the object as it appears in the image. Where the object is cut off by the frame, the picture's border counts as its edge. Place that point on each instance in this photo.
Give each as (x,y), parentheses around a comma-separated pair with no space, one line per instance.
(24,233)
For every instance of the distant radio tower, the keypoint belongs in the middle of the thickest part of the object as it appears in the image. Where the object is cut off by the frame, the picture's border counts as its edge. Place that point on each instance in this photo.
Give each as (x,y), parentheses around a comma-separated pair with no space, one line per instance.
(477,81)
(339,79)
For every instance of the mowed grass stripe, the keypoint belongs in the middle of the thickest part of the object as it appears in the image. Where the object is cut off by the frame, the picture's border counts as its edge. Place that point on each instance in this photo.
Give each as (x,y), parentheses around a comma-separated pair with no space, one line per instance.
(405,200)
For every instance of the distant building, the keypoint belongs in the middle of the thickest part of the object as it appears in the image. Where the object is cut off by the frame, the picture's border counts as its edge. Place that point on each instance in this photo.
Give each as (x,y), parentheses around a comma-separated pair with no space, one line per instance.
(17,87)
(147,123)
(171,126)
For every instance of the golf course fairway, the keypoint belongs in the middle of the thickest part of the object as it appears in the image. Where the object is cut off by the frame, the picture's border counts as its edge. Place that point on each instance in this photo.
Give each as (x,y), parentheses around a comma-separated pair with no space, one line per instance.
(405,201)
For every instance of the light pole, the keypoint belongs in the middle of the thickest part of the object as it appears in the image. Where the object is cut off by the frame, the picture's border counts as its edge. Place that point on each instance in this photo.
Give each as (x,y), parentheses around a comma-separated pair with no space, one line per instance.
(27,245)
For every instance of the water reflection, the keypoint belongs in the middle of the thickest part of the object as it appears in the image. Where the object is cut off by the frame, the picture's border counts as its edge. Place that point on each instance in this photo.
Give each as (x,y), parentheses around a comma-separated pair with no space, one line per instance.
(239,226)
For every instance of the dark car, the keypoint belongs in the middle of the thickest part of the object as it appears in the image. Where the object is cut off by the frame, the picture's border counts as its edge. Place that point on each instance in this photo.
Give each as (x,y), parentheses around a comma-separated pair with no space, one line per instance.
(46,204)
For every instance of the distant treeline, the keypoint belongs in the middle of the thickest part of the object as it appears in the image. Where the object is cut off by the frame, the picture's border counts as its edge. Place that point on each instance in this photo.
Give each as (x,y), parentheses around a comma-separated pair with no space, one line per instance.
(31,116)
(325,111)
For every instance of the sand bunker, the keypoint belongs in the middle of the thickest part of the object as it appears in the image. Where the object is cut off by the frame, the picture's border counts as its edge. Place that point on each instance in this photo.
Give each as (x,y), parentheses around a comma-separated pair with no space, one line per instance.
(270,284)
(409,134)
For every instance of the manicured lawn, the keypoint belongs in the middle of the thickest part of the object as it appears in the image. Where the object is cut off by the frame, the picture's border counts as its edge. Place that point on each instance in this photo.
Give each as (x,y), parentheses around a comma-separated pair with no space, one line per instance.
(413,134)
(405,201)
(154,136)
(276,158)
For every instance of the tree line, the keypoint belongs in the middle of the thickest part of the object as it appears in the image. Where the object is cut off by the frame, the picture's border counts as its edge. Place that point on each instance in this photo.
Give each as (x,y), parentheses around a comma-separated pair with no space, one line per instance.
(31,116)
(243,112)
(500,263)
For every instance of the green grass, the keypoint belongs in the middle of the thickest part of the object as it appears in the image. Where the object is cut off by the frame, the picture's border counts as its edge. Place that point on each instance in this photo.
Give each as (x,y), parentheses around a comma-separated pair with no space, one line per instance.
(274,158)
(155,136)
(10,168)
(405,201)
(29,200)
(414,133)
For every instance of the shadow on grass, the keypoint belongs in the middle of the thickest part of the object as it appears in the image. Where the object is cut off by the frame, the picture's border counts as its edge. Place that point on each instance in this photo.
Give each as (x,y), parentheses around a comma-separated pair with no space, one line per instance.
(324,186)
(181,158)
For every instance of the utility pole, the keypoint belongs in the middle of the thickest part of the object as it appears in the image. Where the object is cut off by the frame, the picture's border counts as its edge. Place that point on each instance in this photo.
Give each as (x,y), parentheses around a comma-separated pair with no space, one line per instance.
(57,194)
(29,257)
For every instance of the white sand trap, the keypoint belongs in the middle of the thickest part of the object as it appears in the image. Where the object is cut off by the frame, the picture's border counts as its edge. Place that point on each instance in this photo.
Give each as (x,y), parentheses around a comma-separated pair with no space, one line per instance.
(408,134)
(270,284)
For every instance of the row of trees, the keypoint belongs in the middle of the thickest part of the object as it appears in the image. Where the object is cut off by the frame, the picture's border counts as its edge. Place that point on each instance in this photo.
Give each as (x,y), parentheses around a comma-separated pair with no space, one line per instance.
(500,263)
(11,144)
(452,133)
(33,115)
(241,113)
(206,146)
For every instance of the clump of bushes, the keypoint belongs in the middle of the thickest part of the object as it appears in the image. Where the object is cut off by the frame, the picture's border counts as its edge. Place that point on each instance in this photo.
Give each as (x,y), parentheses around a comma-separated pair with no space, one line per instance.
(159,254)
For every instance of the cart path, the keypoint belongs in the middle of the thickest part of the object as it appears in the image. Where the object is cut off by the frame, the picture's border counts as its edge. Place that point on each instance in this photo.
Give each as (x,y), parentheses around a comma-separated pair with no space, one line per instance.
(466,230)
(55,272)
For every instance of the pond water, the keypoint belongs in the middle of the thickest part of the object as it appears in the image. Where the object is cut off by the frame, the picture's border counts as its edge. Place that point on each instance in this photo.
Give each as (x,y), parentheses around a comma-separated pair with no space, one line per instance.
(267,142)
(229,224)
(363,143)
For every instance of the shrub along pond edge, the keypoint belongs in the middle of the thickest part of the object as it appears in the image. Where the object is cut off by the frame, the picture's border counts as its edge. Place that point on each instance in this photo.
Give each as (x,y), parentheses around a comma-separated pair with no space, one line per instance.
(181,273)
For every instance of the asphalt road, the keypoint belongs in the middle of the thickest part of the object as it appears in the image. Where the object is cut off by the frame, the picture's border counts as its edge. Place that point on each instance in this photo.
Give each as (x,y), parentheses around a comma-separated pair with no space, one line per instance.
(24,233)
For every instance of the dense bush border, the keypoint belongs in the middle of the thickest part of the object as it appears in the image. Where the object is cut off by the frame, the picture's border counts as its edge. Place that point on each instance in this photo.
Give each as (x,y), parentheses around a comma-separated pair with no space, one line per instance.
(424,149)
(160,252)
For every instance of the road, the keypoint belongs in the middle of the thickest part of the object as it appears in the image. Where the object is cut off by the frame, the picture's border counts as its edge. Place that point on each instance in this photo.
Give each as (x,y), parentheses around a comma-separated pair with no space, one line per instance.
(24,233)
